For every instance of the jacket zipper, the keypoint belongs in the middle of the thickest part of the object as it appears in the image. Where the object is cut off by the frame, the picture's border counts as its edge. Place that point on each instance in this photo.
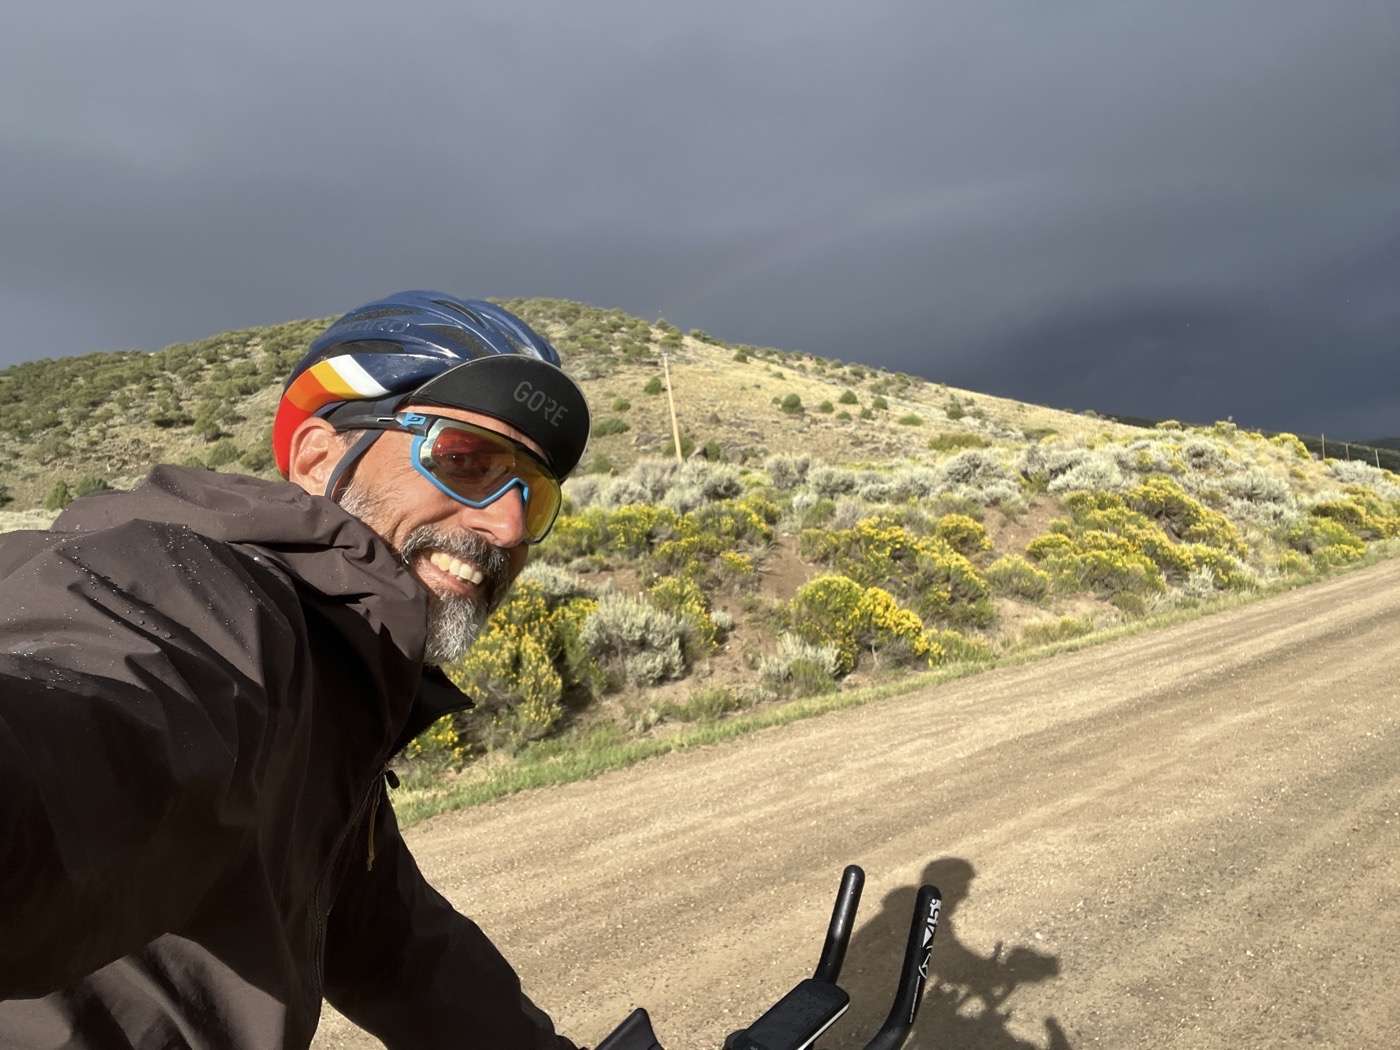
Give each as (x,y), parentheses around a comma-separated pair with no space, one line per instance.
(319,942)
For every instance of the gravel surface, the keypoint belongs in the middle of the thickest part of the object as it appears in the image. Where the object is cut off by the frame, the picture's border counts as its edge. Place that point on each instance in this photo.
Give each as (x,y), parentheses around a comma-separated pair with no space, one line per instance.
(1190,838)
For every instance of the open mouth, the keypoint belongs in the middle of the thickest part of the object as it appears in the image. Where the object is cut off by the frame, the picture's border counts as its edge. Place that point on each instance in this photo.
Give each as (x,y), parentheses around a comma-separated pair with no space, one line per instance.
(458,576)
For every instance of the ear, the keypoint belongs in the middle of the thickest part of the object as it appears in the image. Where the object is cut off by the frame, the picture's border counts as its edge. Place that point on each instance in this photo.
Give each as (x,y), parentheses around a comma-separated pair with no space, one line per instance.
(315,450)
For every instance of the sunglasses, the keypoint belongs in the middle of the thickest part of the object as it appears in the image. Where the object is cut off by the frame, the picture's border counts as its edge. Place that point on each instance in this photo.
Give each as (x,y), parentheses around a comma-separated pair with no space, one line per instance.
(477,466)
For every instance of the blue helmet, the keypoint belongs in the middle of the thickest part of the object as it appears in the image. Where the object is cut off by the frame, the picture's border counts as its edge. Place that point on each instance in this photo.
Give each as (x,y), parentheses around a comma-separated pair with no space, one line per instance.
(426,347)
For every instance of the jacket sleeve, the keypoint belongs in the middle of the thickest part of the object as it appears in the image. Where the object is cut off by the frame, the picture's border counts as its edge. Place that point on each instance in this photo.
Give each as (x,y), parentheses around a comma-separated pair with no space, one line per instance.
(405,966)
(131,710)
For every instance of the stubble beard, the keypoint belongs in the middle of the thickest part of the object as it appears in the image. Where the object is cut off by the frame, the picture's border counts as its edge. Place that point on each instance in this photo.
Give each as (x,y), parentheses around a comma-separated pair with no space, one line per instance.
(454,621)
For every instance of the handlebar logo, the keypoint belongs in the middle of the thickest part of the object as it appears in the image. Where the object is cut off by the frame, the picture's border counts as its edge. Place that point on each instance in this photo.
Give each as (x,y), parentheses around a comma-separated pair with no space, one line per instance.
(930,928)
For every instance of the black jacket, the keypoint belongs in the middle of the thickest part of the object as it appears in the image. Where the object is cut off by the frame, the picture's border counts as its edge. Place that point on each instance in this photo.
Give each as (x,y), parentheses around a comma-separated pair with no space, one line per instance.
(200,684)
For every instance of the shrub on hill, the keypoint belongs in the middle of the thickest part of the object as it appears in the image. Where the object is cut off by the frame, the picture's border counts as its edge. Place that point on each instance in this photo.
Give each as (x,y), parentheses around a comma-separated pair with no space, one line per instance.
(90,483)
(955,441)
(1326,541)
(1107,565)
(799,668)
(1204,454)
(1094,471)
(518,670)
(832,481)
(636,643)
(1362,521)
(1163,500)
(837,611)
(938,581)
(1290,443)
(1014,576)
(59,496)
(787,472)
(977,475)
(610,425)
(965,535)
(1354,472)
(1261,497)
(683,596)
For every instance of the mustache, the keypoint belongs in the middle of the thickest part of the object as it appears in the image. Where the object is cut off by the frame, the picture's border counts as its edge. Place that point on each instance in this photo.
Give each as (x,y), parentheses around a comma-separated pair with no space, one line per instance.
(493,562)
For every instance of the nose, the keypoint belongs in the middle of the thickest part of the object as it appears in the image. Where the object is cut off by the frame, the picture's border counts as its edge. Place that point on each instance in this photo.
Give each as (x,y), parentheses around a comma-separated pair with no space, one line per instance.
(502,521)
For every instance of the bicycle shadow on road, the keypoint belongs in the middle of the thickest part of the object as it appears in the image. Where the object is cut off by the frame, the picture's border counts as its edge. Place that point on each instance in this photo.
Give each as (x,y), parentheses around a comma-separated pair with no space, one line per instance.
(966,1004)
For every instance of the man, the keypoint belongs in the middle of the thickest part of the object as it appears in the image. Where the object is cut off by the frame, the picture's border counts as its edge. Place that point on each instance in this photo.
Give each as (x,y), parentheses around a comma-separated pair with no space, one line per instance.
(201,683)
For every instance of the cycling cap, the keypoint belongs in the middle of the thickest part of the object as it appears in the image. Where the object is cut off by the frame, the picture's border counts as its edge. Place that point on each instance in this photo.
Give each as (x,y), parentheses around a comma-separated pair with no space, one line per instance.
(421,347)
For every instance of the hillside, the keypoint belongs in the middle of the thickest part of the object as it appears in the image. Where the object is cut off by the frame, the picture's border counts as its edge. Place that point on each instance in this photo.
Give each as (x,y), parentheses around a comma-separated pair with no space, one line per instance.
(104,418)
(832,524)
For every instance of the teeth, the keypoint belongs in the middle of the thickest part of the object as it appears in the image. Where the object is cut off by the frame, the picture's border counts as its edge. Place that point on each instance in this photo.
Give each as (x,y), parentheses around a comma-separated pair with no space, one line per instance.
(462,570)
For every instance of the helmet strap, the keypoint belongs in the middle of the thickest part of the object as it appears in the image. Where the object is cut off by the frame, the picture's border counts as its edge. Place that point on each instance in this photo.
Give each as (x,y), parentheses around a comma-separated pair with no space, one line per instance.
(347,463)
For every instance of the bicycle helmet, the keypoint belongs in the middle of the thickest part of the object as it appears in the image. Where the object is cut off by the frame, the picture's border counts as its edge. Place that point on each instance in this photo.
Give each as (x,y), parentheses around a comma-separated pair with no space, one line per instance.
(424,347)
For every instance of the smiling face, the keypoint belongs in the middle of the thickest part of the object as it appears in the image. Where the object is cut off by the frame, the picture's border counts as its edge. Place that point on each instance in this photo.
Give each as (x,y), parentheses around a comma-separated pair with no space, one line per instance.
(466,557)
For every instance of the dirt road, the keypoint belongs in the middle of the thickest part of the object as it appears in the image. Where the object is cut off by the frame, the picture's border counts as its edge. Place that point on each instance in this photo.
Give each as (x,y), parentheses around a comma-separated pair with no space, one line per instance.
(1189,839)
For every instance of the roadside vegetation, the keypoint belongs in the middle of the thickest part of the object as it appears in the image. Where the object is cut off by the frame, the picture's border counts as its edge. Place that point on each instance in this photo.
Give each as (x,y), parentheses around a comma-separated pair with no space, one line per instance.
(832,530)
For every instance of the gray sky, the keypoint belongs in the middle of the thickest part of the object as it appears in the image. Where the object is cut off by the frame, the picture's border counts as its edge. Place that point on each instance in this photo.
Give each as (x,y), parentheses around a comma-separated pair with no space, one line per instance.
(1185,209)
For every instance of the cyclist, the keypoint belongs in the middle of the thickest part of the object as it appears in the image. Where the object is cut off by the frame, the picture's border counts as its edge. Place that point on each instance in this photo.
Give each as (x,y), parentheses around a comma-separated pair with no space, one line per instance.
(201,683)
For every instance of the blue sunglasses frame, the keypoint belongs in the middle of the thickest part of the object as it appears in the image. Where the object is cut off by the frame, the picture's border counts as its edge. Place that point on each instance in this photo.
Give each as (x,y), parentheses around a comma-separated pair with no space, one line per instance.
(425,430)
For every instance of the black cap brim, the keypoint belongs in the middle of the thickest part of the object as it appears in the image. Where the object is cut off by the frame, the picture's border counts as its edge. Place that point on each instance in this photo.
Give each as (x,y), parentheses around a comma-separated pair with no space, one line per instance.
(533,396)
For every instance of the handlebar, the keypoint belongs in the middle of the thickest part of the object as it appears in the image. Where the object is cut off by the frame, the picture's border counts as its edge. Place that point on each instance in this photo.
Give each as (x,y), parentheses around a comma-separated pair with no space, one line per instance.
(798,1019)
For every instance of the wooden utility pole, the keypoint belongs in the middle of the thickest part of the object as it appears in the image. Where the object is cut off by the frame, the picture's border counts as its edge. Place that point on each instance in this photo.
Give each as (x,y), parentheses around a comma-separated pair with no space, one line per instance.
(1324,448)
(671,401)
(1378,457)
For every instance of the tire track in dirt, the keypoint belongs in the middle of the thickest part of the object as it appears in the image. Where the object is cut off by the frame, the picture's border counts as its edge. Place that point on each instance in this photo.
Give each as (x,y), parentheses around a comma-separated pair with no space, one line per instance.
(1188,838)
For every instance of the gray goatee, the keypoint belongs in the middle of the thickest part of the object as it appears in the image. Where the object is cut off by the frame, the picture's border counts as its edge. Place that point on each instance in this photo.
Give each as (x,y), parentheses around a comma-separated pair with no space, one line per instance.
(454,621)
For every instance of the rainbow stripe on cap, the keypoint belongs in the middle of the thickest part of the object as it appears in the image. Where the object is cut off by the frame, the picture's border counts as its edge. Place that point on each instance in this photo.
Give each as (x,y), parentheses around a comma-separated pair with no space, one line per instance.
(340,378)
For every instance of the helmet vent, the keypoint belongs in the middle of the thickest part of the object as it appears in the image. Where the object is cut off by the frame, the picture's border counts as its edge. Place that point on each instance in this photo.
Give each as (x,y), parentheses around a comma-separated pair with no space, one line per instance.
(460,310)
(459,340)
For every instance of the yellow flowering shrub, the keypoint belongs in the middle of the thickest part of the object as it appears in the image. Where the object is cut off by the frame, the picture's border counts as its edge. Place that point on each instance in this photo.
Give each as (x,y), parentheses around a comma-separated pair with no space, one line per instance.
(710,532)
(837,611)
(736,565)
(964,534)
(1326,541)
(1017,577)
(518,669)
(441,741)
(1162,499)
(1361,513)
(630,530)
(1227,571)
(946,588)
(1107,564)
(509,672)
(1290,443)
(683,596)
(574,535)
(1050,546)
(1107,512)
(879,552)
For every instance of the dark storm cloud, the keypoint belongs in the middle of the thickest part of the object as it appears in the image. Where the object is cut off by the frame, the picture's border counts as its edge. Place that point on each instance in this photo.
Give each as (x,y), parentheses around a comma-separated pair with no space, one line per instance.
(1186,210)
